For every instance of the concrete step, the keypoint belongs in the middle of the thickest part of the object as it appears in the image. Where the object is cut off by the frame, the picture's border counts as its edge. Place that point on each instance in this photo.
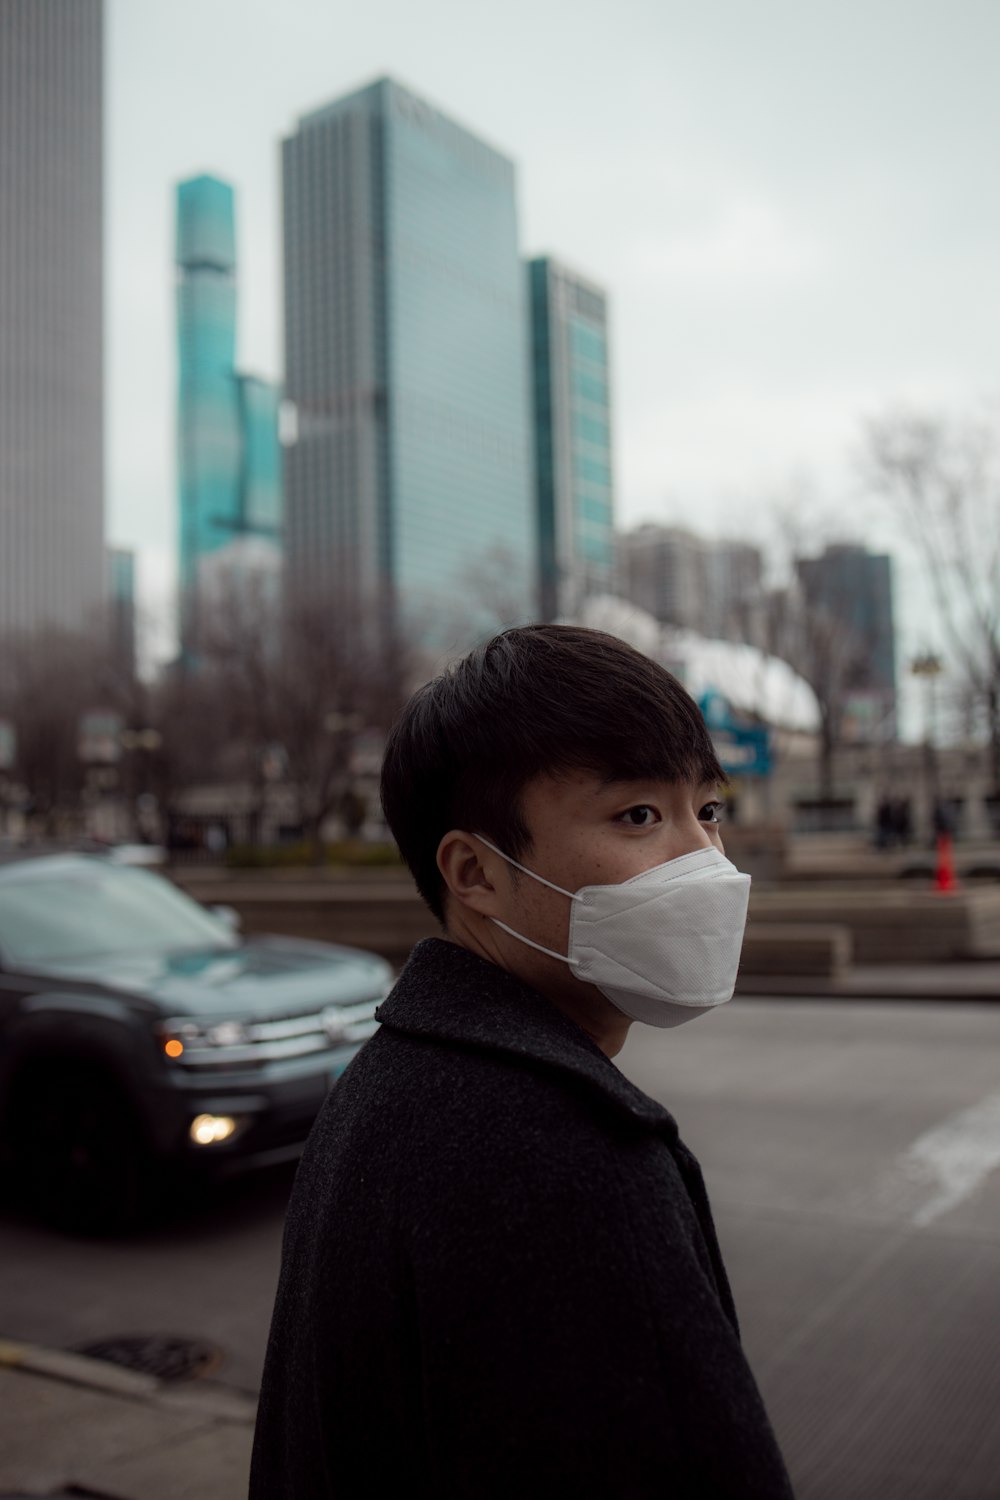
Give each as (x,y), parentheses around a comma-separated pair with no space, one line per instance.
(886,923)
(804,948)
(895,924)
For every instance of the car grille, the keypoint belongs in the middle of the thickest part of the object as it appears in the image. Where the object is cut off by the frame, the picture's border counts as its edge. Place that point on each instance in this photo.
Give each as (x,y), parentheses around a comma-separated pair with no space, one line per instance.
(261,1042)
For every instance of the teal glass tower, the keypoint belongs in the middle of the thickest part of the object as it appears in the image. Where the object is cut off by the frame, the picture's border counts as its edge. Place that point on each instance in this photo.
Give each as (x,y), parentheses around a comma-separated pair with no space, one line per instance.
(409,485)
(229,464)
(572,422)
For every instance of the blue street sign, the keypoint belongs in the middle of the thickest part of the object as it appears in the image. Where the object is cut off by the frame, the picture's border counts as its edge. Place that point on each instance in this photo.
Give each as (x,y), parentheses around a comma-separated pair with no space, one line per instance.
(743,749)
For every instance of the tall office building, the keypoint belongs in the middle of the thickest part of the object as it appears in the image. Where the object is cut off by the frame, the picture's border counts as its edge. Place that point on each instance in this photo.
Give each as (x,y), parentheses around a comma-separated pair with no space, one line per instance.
(229,464)
(409,488)
(572,412)
(703,584)
(854,587)
(663,570)
(734,590)
(121,612)
(51,313)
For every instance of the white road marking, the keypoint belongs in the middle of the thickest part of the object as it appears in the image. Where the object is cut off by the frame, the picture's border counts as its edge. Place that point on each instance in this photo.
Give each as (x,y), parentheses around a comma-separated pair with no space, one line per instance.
(945,1165)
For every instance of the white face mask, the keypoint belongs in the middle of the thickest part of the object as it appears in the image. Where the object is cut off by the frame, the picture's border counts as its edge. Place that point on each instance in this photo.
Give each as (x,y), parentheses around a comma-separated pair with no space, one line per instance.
(663,947)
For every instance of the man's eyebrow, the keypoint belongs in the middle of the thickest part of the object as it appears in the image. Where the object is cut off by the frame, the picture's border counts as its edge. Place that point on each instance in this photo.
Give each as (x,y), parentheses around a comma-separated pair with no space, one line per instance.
(614,782)
(621,784)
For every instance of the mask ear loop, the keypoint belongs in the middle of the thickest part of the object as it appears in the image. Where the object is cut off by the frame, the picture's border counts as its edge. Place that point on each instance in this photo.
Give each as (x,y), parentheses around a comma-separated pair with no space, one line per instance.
(524,869)
(562,957)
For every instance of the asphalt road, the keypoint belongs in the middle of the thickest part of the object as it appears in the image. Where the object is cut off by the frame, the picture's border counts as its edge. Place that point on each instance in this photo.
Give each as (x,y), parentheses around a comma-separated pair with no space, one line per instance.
(852,1152)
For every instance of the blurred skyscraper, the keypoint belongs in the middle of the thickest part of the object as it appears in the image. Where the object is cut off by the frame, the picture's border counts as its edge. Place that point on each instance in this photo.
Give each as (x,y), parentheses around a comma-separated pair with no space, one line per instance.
(229,462)
(51,314)
(703,584)
(575,507)
(734,590)
(409,488)
(121,611)
(854,587)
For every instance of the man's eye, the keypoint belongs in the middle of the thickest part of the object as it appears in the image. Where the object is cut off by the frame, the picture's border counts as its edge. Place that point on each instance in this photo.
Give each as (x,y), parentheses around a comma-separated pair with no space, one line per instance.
(642,816)
(712,812)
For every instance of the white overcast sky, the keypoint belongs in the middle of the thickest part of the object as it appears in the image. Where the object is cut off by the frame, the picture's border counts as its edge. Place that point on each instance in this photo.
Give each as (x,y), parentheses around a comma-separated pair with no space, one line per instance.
(793,204)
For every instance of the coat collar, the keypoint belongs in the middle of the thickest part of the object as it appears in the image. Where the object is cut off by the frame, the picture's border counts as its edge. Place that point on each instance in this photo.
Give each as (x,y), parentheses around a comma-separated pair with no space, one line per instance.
(447,994)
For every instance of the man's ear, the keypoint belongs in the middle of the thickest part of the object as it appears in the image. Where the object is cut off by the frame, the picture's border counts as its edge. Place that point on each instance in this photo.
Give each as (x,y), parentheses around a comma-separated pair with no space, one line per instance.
(469,869)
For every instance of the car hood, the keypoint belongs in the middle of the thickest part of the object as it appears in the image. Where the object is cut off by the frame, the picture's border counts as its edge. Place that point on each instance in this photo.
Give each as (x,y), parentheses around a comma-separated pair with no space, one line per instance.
(260,978)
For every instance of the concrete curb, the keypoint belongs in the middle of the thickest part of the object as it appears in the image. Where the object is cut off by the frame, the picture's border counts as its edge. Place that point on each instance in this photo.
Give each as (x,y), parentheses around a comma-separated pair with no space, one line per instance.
(219,1402)
(77,1369)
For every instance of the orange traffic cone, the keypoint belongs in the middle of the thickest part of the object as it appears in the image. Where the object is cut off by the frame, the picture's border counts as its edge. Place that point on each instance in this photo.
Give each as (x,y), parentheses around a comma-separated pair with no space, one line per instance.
(945,879)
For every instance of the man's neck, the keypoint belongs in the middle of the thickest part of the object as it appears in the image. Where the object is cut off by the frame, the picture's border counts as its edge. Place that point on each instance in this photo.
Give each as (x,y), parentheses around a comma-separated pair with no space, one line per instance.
(590,1010)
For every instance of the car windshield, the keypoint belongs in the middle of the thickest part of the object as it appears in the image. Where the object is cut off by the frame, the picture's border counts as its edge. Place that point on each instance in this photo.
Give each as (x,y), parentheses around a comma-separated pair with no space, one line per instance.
(96,910)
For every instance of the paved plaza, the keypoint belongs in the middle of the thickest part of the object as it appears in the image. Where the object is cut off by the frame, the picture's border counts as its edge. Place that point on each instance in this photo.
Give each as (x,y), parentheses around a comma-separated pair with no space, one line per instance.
(852,1151)
(852,1155)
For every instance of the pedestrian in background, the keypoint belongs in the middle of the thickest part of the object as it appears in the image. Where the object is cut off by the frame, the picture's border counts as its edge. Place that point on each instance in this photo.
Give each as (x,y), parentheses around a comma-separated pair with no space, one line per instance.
(500,1274)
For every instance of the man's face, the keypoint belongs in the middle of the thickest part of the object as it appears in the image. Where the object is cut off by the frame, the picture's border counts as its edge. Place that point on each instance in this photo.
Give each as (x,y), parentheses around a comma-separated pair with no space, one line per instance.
(586,832)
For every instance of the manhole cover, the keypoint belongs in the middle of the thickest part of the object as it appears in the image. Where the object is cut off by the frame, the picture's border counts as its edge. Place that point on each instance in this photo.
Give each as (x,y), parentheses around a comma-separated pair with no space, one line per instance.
(166,1357)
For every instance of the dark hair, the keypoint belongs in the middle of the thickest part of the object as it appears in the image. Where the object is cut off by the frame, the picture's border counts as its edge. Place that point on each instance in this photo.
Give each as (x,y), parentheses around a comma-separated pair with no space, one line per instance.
(535,700)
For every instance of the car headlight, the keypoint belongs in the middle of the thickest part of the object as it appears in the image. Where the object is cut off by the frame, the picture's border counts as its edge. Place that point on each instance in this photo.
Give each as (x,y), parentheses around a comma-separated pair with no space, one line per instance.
(214,1130)
(178,1038)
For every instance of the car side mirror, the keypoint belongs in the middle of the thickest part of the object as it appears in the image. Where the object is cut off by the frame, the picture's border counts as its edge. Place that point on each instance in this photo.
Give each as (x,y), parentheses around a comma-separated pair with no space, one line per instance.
(228,916)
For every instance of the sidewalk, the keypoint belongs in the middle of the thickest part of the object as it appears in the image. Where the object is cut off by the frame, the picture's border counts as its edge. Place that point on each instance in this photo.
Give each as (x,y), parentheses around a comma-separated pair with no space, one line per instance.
(72,1426)
(80,1427)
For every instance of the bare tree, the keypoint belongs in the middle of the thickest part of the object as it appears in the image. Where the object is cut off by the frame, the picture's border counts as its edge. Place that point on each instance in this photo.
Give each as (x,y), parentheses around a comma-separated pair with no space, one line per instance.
(184,709)
(495,590)
(50,678)
(815,629)
(242,667)
(341,672)
(942,478)
(814,637)
(309,676)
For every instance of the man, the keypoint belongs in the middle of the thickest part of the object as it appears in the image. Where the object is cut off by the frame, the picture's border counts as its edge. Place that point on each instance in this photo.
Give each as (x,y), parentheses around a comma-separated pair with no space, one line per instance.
(500,1275)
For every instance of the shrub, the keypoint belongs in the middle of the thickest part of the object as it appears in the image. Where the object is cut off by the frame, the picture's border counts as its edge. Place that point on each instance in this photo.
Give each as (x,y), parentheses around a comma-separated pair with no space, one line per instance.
(344,853)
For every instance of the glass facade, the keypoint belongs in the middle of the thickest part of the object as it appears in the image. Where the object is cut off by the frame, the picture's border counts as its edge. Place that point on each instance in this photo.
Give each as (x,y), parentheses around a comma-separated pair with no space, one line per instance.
(572,420)
(229,466)
(336,470)
(458,414)
(260,470)
(410,482)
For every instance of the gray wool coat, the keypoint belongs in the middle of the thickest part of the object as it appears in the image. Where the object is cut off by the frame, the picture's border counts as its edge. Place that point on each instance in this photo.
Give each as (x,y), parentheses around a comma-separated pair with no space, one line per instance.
(500,1275)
